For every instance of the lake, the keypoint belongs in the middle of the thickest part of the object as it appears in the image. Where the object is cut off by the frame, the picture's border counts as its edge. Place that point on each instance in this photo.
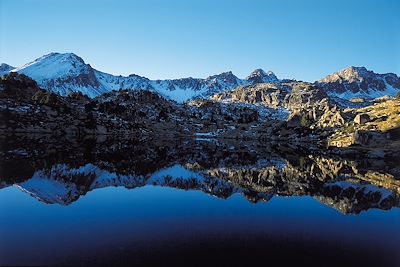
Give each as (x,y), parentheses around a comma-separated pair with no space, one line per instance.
(193,202)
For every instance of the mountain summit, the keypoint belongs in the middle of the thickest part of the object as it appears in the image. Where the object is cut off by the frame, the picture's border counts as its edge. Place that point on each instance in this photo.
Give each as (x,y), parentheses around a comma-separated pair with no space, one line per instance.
(360,82)
(62,74)
(260,76)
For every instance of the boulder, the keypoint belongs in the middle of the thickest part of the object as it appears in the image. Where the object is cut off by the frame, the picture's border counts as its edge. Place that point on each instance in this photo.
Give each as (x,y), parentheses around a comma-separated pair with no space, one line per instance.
(362,118)
(369,138)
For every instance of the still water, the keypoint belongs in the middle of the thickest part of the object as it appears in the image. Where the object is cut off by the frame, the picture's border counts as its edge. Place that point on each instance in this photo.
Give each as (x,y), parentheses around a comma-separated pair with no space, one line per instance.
(193,203)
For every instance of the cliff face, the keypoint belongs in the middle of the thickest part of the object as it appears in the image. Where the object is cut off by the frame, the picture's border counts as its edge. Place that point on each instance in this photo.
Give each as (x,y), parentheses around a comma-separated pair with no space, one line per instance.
(269,95)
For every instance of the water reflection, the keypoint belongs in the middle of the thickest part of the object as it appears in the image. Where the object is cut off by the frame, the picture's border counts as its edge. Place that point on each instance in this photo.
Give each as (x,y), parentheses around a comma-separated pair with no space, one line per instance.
(57,171)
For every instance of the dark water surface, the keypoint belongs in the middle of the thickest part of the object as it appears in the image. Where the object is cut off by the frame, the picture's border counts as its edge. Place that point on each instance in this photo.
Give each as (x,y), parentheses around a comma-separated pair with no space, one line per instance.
(190,202)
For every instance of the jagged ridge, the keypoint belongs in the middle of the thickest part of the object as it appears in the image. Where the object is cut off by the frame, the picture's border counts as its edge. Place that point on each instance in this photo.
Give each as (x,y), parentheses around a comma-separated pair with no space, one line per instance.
(64,73)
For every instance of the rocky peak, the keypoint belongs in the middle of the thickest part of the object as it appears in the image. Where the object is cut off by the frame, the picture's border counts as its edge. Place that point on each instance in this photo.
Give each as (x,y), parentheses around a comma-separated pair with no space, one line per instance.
(5,68)
(355,71)
(355,82)
(260,76)
(133,76)
(226,77)
(350,74)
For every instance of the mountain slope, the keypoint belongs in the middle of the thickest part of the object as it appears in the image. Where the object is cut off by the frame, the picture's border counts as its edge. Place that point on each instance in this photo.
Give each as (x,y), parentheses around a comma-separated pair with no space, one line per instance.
(359,82)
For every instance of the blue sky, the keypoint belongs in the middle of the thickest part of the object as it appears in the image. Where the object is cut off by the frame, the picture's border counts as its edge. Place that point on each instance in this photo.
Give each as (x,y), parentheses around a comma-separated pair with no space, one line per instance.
(298,39)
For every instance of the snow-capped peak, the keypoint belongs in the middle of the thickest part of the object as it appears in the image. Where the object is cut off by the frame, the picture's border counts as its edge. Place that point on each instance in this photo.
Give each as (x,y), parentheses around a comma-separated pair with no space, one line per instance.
(53,65)
(63,73)
(260,76)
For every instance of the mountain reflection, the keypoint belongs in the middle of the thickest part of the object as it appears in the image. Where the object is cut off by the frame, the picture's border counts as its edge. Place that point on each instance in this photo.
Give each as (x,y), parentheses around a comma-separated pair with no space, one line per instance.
(60,171)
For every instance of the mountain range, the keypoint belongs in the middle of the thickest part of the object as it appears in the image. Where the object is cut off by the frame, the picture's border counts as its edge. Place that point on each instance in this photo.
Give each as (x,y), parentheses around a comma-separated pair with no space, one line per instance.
(63,73)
